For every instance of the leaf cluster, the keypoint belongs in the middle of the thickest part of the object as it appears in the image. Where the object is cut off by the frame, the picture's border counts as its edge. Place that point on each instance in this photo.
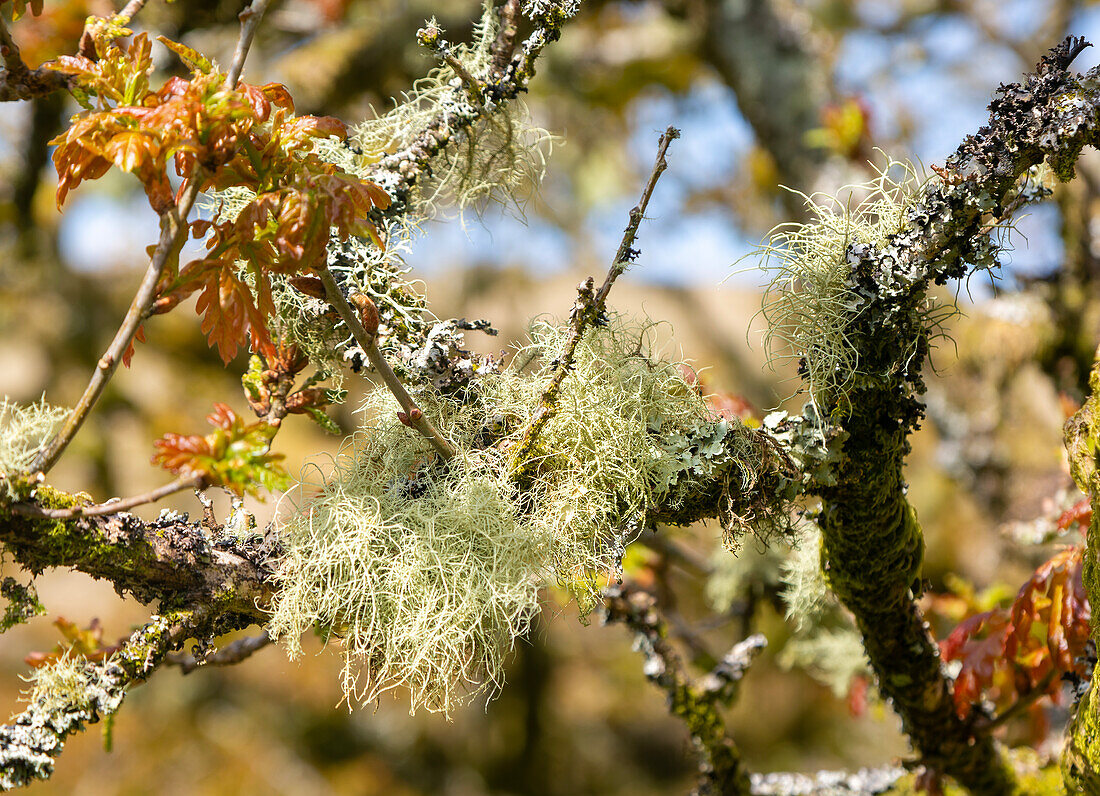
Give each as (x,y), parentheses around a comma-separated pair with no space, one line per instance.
(235,456)
(242,137)
(1019,652)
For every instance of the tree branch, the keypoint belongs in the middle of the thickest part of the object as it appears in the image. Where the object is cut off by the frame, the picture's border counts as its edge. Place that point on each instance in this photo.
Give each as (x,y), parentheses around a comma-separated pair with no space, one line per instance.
(32,740)
(18,82)
(590,308)
(720,769)
(413,416)
(872,541)
(170,560)
(111,507)
(231,654)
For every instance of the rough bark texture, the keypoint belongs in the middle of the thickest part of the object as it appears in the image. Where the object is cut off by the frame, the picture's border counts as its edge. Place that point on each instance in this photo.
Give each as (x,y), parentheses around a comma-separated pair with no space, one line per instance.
(1081,755)
(873,544)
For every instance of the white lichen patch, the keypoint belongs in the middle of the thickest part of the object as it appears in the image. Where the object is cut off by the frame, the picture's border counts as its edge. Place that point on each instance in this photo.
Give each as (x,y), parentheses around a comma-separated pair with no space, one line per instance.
(23,431)
(428,571)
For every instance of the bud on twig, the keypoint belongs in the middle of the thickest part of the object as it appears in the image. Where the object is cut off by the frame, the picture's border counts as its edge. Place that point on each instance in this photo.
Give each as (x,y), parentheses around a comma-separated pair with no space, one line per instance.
(368,313)
(310,285)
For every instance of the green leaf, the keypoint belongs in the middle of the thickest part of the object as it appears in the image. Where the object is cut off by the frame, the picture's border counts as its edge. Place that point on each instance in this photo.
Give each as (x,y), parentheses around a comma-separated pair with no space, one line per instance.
(323,420)
(195,61)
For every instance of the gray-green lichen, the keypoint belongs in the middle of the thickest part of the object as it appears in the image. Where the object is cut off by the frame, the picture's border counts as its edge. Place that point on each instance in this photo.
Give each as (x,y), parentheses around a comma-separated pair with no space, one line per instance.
(65,695)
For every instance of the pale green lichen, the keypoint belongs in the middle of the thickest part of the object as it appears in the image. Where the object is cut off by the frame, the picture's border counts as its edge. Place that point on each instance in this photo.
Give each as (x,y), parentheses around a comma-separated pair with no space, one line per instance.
(429,571)
(498,158)
(61,686)
(23,431)
(813,297)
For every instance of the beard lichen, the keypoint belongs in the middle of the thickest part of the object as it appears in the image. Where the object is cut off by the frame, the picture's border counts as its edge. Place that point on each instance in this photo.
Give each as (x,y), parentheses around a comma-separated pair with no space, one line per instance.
(813,296)
(23,431)
(429,571)
(499,157)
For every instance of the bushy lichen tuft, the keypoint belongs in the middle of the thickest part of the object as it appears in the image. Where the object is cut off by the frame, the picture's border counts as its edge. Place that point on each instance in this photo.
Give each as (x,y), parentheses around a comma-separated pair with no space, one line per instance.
(429,571)
(498,158)
(23,430)
(813,296)
(61,686)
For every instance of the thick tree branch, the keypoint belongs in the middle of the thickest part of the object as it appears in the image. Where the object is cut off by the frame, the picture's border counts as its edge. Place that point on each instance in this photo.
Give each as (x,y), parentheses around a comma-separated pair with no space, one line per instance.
(18,81)
(872,542)
(169,560)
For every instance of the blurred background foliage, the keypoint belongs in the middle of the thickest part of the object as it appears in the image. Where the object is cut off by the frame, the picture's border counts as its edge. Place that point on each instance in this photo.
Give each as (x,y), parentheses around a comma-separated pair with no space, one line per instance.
(767,92)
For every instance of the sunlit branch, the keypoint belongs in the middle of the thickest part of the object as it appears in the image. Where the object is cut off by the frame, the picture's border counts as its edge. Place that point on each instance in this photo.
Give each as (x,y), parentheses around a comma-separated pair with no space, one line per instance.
(590,307)
(111,507)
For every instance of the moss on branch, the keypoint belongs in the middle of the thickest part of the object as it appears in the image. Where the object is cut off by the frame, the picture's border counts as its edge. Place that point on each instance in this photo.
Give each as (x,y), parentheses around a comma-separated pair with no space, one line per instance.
(170,560)
(872,541)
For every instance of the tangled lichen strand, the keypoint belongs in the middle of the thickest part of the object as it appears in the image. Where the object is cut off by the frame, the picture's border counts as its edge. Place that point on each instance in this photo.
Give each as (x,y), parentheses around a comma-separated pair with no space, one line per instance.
(23,430)
(812,298)
(487,149)
(429,571)
(427,593)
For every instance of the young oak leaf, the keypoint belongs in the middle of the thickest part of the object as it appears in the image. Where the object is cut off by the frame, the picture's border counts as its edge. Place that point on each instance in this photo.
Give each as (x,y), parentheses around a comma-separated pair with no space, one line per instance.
(1015,653)
(86,642)
(235,456)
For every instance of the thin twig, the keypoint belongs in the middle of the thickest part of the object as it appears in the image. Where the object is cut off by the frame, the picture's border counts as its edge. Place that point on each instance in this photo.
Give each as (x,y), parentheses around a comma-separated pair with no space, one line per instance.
(720,767)
(505,43)
(111,507)
(173,228)
(413,415)
(591,307)
(131,9)
(250,21)
(1020,705)
(229,655)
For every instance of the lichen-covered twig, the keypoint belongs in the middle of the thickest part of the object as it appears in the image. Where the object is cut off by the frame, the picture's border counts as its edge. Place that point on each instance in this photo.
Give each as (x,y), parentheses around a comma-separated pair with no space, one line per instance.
(74,692)
(865,782)
(111,507)
(721,772)
(170,560)
(591,306)
(413,416)
(1081,753)
(872,541)
(400,172)
(231,654)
